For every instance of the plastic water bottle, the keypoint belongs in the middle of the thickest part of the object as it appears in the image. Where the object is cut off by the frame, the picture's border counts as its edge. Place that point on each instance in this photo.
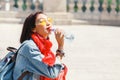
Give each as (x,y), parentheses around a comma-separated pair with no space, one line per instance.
(68,36)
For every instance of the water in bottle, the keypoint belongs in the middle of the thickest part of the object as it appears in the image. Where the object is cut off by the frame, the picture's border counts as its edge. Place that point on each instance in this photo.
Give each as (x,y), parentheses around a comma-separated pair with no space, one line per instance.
(67,36)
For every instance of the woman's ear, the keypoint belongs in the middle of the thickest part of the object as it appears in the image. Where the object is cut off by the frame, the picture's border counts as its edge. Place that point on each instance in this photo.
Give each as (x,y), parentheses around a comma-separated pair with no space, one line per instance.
(34,30)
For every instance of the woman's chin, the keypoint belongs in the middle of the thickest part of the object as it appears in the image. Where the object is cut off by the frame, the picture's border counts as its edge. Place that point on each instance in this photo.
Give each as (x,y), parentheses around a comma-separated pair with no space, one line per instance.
(49,32)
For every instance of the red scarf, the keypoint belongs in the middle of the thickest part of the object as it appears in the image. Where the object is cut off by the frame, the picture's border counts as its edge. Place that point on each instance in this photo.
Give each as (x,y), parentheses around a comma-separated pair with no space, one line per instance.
(44,46)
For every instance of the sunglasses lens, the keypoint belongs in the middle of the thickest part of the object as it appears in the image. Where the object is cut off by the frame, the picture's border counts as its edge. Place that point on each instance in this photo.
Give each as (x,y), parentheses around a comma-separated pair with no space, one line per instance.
(50,20)
(43,23)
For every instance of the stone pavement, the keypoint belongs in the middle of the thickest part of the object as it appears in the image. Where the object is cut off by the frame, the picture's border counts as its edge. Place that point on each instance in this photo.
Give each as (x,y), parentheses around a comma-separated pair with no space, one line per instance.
(93,55)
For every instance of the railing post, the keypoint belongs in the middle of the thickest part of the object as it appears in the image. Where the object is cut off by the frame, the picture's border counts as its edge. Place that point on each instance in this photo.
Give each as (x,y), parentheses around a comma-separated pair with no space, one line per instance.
(67,5)
(84,5)
(7,5)
(24,6)
(32,6)
(92,8)
(100,5)
(75,5)
(109,2)
(16,4)
(40,6)
(117,9)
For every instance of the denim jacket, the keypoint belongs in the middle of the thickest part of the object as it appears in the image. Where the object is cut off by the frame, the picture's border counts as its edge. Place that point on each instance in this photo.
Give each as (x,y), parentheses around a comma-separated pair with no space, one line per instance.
(29,58)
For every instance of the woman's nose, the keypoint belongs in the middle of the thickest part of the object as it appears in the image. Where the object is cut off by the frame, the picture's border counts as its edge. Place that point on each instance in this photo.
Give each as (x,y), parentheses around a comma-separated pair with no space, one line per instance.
(48,23)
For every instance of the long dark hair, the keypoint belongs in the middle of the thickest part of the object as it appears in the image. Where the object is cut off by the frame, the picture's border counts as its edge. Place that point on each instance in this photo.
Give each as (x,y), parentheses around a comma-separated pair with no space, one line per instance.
(28,26)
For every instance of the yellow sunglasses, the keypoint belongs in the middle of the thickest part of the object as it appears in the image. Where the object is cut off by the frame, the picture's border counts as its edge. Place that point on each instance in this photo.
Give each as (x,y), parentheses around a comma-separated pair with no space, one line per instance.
(43,21)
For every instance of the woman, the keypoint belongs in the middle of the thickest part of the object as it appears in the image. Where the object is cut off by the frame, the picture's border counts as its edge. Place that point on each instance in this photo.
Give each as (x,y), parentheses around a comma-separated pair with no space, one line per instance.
(35,60)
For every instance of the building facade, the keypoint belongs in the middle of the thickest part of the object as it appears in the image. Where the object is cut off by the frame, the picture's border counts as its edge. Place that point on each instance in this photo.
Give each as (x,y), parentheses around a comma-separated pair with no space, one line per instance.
(66,11)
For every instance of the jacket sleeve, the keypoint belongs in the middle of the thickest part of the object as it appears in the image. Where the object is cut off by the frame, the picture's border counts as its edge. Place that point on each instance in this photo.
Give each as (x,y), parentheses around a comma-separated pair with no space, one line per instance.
(36,65)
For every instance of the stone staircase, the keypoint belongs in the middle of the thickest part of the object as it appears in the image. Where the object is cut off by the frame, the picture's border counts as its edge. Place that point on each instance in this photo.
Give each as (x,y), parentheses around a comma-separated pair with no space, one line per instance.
(19,17)
(62,18)
(9,17)
(96,18)
(58,17)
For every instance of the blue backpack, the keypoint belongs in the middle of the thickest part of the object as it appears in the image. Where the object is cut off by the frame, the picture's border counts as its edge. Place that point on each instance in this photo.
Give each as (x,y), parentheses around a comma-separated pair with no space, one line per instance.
(7,65)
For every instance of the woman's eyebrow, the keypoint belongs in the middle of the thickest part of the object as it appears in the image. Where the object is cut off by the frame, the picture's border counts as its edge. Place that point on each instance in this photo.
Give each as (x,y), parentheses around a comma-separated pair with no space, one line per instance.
(41,18)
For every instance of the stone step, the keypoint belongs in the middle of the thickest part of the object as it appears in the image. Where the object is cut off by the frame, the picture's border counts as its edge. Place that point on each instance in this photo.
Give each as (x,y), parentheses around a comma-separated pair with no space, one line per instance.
(60,15)
(62,22)
(54,15)
(78,22)
(10,20)
(8,14)
(96,22)
(60,18)
(57,21)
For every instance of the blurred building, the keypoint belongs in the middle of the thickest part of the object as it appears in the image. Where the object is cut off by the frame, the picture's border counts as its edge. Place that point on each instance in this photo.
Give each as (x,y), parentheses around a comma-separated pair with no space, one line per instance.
(106,12)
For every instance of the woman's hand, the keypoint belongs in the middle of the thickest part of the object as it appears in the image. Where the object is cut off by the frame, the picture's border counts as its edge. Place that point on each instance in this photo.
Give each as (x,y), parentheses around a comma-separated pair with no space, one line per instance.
(59,38)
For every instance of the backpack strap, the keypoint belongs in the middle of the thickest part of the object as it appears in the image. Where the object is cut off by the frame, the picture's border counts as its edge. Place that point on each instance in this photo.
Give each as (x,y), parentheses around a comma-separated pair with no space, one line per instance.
(23,75)
(14,50)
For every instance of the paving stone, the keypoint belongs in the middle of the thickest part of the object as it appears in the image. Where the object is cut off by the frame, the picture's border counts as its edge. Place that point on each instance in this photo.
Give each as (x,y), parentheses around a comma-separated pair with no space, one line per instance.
(93,55)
